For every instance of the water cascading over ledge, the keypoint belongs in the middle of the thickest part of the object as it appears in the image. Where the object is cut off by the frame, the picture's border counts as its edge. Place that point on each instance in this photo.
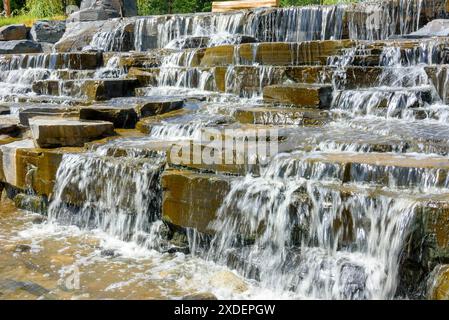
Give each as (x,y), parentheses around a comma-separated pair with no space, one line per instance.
(120,195)
(363,21)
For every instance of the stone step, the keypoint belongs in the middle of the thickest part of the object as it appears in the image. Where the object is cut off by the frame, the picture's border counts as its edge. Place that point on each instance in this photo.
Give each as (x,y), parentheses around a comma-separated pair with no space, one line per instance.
(27,168)
(9,125)
(281,116)
(46,99)
(91,90)
(357,60)
(418,136)
(149,59)
(380,169)
(146,76)
(188,94)
(192,200)
(238,79)
(70,60)
(68,74)
(387,100)
(125,112)
(145,124)
(28,110)
(51,132)
(364,50)
(242,79)
(278,54)
(300,95)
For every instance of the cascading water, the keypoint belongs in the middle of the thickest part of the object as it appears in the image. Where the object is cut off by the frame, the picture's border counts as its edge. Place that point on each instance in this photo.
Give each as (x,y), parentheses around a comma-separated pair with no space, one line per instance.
(363,21)
(119,195)
(311,222)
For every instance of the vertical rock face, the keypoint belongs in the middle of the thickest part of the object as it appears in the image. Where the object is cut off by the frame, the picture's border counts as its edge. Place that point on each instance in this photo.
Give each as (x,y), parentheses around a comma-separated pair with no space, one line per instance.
(92,10)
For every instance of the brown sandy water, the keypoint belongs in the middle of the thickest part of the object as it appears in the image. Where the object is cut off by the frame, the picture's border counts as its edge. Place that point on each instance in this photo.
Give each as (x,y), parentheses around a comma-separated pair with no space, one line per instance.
(39,260)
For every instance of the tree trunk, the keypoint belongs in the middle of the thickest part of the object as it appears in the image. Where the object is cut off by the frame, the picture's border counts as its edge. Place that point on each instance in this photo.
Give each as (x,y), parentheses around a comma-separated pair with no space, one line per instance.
(7,7)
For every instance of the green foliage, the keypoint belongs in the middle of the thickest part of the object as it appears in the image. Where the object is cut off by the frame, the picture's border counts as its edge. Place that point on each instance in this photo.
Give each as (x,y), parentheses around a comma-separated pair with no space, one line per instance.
(184,6)
(152,7)
(42,9)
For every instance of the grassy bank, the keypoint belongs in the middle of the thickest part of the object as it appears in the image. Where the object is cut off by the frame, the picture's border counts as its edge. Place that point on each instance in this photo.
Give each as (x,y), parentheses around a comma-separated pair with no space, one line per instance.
(28,20)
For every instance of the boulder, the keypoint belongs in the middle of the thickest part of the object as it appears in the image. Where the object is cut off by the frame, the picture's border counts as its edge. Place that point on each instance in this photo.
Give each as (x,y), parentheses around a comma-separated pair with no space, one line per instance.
(93,10)
(13,32)
(47,31)
(19,46)
(50,133)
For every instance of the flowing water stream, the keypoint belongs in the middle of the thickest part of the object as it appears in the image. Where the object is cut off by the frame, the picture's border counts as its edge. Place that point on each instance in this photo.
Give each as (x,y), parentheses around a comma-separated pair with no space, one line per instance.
(301,226)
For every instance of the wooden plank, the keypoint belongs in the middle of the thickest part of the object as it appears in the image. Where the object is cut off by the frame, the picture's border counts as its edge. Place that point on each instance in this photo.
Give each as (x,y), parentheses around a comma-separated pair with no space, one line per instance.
(225,6)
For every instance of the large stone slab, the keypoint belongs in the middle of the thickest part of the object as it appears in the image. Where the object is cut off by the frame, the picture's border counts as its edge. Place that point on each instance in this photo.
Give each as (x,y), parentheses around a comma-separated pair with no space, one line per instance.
(13,32)
(63,62)
(46,110)
(125,112)
(274,54)
(50,133)
(149,59)
(47,31)
(19,46)
(27,168)
(191,199)
(303,95)
(9,168)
